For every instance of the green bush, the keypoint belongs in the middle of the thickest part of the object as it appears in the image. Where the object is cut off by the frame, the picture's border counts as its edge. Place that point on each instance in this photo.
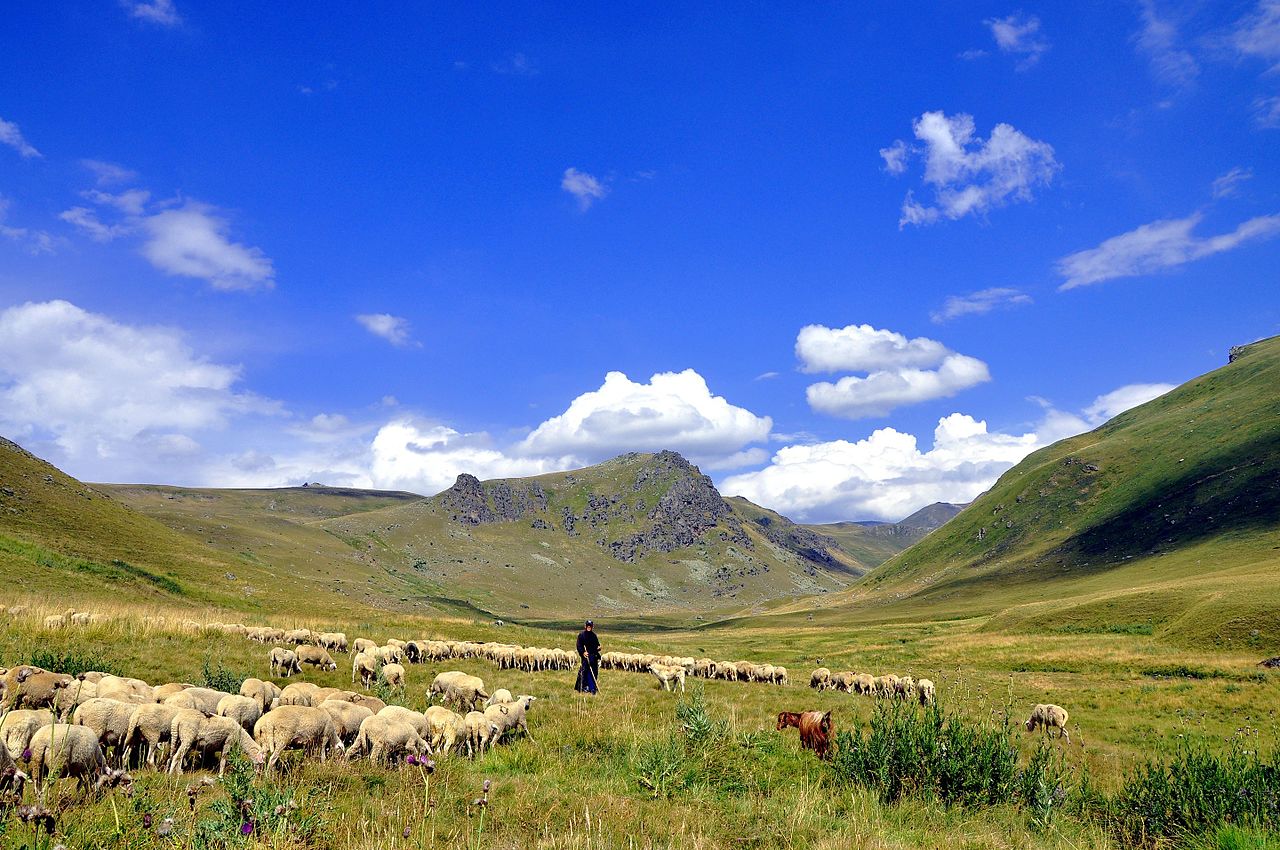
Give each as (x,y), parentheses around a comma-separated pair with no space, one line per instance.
(220,678)
(72,662)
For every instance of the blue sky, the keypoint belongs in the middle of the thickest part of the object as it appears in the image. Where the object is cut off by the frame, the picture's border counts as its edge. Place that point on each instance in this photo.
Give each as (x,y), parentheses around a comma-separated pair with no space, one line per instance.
(873,255)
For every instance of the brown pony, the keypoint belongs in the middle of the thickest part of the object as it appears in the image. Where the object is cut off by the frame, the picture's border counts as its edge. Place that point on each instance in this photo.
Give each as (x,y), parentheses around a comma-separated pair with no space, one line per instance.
(815,730)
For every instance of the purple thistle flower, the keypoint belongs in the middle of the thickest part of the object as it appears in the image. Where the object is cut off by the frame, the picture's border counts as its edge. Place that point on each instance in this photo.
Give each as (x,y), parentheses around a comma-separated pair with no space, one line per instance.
(146,821)
(406,832)
(247,828)
(26,754)
(411,759)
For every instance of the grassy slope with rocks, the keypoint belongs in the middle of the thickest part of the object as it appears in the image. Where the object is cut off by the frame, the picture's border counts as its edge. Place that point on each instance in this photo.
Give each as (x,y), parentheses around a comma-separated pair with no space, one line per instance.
(1164,520)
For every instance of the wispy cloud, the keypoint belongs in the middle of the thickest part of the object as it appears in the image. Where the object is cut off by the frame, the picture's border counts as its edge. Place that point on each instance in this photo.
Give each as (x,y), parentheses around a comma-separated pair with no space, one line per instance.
(108,173)
(978,303)
(969,175)
(33,241)
(583,186)
(1160,42)
(1156,247)
(1257,35)
(1228,185)
(517,63)
(394,329)
(1266,112)
(12,136)
(160,12)
(766,376)
(1020,35)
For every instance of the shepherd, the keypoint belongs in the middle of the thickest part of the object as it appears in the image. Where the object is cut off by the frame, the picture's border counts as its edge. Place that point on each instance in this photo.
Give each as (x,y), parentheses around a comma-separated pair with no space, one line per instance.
(589,652)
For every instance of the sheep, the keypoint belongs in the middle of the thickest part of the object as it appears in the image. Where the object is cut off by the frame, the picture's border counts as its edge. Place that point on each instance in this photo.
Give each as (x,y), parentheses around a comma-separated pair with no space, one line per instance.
(370,702)
(109,720)
(208,735)
(458,687)
(780,676)
(299,693)
(746,671)
(151,725)
(667,674)
(407,716)
(512,715)
(386,739)
(1049,717)
(363,645)
(414,652)
(284,662)
(393,675)
(243,710)
(11,779)
(69,751)
(296,636)
(864,684)
(925,691)
(263,693)
(447,728)
(705,668)
(347,717)
(296,726)
(19,725)
(31,687)
(397,643)
(481,732)
(124,689)
(905,688)
(886,685)
(163,692)
(314,656)
(81,618)
(203,700)
(333,641)
(842,681)
(54,621)
(364,666)
(66,700)
(820,679)
(500,695)
(389,654)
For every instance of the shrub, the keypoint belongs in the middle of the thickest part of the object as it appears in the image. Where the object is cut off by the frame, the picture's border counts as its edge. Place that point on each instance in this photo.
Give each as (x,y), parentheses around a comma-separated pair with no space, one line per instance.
(249,812)
(73,662)
(1197,791)
(220,678)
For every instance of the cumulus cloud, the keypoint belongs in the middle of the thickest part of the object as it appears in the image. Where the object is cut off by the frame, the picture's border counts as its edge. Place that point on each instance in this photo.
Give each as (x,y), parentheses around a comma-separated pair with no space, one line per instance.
(584,187)
(1020,35)
(969,175)
(426,458)
(1160,42)
(1155,247)
(394,329)
(160,12)
(95,388)
(190,240)
(674,410)
(1228,185)
(12,136)
(901,371)
(978,303)
(888,476)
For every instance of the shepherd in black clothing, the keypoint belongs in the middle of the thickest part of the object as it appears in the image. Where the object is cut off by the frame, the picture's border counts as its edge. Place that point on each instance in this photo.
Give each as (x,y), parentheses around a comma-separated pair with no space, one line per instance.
(589,652)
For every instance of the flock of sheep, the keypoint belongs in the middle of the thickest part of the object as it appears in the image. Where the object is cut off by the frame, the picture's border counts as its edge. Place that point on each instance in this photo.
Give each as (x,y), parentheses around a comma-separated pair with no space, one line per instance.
(901,687)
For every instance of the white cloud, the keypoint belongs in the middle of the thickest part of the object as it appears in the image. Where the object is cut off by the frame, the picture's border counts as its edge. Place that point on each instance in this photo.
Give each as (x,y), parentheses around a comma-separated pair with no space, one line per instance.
(426,458)
(887,476)
(12,136)
(978,303)
(1157,246)
(862,348)
(129,202)
(161,12)
(108,173)
(975,53)
(970,175)
(1159,40)
(517,64)
(880,392)
(767,376)
(88,221)
(191,241)
(583,186)
(1266,112)
(394,329)
(35,242)
(1257,35)
(1228,185)
(674,410)
(1019,34)
(96,388)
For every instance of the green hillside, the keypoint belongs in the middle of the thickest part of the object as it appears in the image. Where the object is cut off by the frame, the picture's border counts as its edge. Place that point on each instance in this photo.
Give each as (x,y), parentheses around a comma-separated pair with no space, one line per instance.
(1165,520)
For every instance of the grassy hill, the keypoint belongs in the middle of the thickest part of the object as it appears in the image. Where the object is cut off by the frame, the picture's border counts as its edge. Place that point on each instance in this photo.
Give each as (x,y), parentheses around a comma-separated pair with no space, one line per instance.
(1165,521)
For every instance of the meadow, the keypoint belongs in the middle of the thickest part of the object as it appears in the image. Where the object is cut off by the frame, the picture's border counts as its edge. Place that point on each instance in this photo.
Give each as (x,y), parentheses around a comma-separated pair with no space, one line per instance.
(638,767)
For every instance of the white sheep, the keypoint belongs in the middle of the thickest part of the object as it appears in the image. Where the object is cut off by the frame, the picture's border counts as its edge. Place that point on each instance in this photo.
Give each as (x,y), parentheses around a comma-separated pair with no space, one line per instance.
(109,720)
(296,726)
(208,735)
(284,662)
(150,724)
(244,710)
(347,717)
(263,693)
(460,688)
(364,667)
(925,691)
(481,732)
(512,715)
(500,695)
(299,693)
(19,725)
(448,729)
(1049,717)
(386,739)
(668,675)
(393,675)
(69,751)
(315,656)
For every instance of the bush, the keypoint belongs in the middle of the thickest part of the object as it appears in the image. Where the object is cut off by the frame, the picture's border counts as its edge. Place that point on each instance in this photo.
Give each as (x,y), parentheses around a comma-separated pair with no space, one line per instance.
(73,662)
(1198,791)
(220,678)
(702,752)
(251,812)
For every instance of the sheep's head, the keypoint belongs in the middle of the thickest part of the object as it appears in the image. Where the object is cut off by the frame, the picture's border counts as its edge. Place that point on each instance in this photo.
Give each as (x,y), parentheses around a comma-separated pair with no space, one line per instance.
(1031,723)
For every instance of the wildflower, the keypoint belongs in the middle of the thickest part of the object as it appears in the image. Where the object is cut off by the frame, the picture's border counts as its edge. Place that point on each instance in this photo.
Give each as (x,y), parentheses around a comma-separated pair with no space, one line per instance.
(26,754)
(146,821)
(280,809)
(486,785)
(406,832)
(411,759)
(429,764)
(247,828)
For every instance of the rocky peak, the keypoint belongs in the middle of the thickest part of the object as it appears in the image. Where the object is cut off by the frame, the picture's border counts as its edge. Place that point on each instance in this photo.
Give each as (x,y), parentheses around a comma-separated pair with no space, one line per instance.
(471,502)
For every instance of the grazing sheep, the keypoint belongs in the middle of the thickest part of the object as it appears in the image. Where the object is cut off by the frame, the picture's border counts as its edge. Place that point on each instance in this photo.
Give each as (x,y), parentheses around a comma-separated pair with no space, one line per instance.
(389,654)
(500,695)
(387,739)
(448,729)
(409,717)
(780,676)
(396,642)
(458,687)
(905,688)
(414,652)
(243,710)
(54,621)
(284,662)
(109,720)
(347,717)
(68,751)
(667,674)
(296,727)
(364,667)
(842,681)
(11,779)
(370,702)
(314,656)
(864,684)
(297,636)
(333,641)
(150,725)
(263,693)
(363,645)
(208,735)
(925,691)
(481,732)
(124,689)
(1049,717)
(66,700)
(511,716)
(163,692)
(18,726)
(203,700)
(393,675)
(886,686)
(31,687)
(299,693)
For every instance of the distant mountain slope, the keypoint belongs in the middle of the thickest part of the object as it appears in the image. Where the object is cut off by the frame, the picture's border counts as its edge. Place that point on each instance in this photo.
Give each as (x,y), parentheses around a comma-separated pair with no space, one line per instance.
(932,516)
(1167,517)
(641,534)
(873,543)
